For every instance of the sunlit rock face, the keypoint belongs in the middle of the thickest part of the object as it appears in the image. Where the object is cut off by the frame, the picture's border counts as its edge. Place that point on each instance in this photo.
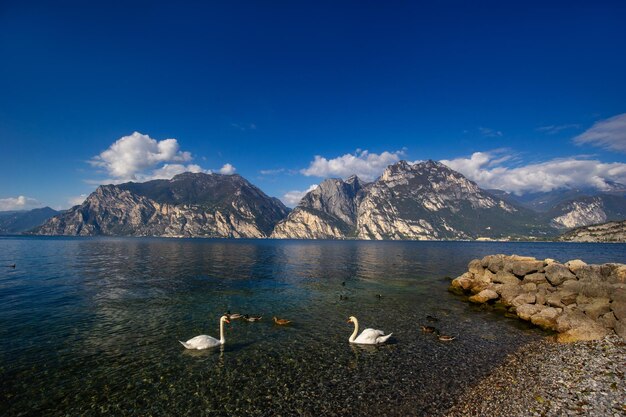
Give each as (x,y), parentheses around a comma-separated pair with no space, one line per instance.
(581,213)
(188,205)
(408,201)
(327,212)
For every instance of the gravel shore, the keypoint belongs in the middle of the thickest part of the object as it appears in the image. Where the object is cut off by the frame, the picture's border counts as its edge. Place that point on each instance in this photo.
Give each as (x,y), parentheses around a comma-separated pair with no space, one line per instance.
(546,378)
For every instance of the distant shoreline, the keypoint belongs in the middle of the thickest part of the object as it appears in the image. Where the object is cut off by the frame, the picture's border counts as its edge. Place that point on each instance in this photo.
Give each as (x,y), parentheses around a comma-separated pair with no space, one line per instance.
(538,240)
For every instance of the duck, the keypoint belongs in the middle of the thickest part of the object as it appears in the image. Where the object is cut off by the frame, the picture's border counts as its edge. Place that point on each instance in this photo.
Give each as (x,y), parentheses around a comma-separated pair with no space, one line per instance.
(368,336)
(204,341)
(429,329)
(446,338)
(281,322)
(233,316)
(250,319)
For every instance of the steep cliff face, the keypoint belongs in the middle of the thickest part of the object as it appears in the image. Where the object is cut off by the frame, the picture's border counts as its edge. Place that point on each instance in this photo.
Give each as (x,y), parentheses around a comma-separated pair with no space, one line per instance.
(306,223)
(209,205)
(421,201)
(430,201)
(335,197)
(586,210)
(327,212)
(580,213)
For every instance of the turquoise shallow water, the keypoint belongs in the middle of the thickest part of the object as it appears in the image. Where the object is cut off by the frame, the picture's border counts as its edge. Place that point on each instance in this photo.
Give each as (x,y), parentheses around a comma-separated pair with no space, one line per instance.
(90,326)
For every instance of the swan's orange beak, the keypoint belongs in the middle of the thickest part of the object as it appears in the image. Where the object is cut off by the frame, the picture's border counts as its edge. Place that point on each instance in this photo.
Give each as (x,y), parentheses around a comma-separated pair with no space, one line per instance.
(227,321)
(349,321)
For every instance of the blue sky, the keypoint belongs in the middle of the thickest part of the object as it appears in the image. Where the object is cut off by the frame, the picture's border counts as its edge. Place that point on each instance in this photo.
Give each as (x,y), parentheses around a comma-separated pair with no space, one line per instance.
(516,95)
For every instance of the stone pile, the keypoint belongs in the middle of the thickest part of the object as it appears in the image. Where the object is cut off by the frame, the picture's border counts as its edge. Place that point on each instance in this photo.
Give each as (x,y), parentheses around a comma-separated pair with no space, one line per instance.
(576,300)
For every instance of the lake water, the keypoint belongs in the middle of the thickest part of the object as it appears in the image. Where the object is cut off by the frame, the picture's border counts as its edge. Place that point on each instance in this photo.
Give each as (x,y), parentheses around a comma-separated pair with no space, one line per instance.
(90,326)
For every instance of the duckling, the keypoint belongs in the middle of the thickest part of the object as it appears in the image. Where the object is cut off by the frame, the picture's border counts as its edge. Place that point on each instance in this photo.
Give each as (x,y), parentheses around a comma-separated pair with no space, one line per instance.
(446,338)
(232,316)
(429,329)
(250,319)
(431,318)
(343,283)
(281,322)
(343,297)
(379,296)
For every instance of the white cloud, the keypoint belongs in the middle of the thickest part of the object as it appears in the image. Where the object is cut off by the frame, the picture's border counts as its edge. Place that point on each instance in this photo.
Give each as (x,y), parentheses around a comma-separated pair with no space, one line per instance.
(132,155)
(368,166)
(608,134)
(553,129)
(18,203)
(138,157)
(77,200)
(545,176)
(227,169)
(292,198)
(168,171)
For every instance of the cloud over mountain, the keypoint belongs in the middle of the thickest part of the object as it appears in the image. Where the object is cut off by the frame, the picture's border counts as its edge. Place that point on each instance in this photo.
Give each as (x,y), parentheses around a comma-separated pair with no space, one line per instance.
(138,157)
(365,165)
(292,198)
(133,154)
(18,203)
(488,170)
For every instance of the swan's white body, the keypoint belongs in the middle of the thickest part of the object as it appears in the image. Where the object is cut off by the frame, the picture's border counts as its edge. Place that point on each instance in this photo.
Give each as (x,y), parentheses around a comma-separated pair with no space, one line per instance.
(204,341)
(368,336)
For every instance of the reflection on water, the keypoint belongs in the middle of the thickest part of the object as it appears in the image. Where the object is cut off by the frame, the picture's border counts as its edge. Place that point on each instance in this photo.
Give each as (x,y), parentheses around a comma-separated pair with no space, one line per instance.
(91,326)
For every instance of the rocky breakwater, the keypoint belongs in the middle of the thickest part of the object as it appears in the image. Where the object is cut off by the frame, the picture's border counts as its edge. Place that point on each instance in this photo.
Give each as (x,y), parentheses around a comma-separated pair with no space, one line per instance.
(576,300)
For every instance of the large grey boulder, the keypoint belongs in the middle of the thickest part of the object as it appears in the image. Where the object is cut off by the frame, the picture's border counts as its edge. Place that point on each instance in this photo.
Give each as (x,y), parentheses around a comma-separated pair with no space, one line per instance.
(575,265)
(503,277)
(597,308)
(494,263)
(508,293)
(557,273)
(546,318)
(526,311)
(524,298)
(484,296)
(537,278)
(590,273)
(523,267)
(574,325)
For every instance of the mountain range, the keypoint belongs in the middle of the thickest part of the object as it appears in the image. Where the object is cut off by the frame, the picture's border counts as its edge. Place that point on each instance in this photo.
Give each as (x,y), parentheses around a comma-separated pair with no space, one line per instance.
(19,221)
(419,201)
(188,205)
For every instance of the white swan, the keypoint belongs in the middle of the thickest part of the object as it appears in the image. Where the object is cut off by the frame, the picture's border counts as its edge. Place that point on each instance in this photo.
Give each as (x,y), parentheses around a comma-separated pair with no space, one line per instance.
(204,341)
(368,336)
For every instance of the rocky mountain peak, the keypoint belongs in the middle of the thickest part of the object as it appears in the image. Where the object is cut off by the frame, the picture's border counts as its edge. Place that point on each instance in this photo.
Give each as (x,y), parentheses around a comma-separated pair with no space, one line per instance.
(335,197)
(353,179)
(191,204)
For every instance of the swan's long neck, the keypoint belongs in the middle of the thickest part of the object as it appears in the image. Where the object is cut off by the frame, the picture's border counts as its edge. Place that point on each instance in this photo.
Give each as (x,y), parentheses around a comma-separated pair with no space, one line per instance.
(222,339)
(356,330)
